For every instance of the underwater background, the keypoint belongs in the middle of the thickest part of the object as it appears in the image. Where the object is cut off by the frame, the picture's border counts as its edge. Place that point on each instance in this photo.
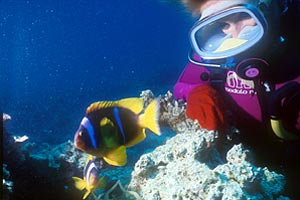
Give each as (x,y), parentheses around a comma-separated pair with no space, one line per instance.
(57,57)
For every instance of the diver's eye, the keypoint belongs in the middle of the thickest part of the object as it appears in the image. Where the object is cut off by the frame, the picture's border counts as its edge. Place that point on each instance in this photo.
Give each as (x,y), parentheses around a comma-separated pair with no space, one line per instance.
(225,26)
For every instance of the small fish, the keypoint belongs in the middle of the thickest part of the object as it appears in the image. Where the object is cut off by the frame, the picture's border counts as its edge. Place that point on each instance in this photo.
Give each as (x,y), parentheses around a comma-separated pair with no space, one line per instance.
(90,180)
(109,127)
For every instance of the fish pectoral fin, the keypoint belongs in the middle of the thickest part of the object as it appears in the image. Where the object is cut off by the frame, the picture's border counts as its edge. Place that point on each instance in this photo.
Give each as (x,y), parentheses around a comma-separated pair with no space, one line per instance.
(150,117)
(106,122)
(116,157)
(134,104)
(80,184)
(109,133)
(101,183)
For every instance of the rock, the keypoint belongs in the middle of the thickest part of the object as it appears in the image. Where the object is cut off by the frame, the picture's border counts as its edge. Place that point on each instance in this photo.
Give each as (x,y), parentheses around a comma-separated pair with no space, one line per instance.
(186,167)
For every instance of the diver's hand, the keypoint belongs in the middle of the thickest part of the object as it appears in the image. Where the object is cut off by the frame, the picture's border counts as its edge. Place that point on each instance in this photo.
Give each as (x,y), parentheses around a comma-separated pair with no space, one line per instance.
(205,104)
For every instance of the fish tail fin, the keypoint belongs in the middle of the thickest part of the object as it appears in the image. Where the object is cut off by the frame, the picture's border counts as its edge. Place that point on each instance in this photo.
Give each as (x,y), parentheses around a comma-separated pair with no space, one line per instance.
(150,117)
(80,184)
(86,194)
(101,183)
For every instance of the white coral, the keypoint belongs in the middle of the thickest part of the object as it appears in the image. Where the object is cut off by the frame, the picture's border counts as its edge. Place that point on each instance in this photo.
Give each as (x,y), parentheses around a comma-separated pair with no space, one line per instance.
(180,170)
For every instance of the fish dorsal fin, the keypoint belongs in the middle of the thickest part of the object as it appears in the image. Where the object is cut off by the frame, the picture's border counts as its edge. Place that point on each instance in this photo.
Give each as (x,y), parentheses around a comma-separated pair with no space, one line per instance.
(134,104)
(100,104)
(80,184)
(116,157)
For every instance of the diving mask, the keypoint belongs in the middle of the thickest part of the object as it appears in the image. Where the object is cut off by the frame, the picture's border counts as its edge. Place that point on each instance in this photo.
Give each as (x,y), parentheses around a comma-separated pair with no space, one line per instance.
(228,33)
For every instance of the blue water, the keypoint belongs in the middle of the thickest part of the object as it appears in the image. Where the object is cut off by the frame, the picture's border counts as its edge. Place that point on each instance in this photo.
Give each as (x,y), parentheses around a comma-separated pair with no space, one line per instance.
(57,57)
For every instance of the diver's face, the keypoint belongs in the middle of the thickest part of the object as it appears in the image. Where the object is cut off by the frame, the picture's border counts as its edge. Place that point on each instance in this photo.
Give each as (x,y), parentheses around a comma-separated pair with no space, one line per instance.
(234,24)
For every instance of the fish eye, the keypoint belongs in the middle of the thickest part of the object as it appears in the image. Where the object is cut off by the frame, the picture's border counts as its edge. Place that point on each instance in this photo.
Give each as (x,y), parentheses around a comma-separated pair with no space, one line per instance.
(80,133)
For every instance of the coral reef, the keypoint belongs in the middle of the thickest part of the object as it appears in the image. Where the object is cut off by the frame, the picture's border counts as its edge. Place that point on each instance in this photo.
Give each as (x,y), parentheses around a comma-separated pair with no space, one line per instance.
(194,163)
(46,173)
(63,154)
(191,165)
(187,168)
(120,194)
(43,175)
(172,112)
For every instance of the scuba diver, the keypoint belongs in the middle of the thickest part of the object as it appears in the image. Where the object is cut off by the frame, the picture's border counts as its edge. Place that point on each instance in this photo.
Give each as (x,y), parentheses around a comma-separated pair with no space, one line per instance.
(244,72)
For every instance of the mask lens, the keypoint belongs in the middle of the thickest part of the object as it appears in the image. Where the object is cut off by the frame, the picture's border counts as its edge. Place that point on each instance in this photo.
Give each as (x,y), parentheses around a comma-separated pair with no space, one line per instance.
(227,34)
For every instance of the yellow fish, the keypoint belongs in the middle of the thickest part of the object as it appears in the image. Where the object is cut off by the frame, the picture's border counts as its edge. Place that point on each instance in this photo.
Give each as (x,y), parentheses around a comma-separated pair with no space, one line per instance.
(111,126)
(91,180)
